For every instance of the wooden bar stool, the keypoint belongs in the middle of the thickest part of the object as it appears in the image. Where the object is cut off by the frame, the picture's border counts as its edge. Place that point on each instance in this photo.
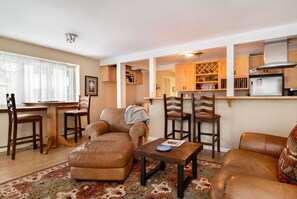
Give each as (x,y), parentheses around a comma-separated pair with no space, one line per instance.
(173,110)
(203,110)
(83,110)
(14,119)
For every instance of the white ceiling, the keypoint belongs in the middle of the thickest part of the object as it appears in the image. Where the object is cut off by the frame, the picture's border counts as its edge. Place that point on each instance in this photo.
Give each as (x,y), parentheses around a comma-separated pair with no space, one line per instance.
(110,28)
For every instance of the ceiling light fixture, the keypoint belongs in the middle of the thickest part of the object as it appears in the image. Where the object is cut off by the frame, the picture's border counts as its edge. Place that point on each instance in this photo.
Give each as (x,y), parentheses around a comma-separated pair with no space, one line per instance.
(191,54)
(70,37)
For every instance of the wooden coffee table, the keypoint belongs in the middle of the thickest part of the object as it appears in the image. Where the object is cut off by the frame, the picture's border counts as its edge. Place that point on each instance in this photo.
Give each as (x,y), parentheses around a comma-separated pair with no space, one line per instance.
(181,156)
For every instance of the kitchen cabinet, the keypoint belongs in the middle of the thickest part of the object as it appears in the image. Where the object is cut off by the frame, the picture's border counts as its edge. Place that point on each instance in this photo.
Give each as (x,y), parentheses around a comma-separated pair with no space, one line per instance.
(241,66)
(290,74)
(108,73)
(184,77)
(133,77)
(257,60)
(207,75)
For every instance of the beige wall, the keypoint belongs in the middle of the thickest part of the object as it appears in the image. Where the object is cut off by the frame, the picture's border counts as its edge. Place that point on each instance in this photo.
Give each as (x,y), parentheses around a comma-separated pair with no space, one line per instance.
(142,90)
(88,67)
(159,80)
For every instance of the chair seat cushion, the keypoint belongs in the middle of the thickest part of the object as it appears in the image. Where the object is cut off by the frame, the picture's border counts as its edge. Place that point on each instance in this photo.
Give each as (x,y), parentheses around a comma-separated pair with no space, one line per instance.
(76,112)
(102,154)
(206,116)
(178,114)
(287,163)
(28,118)
(113,136)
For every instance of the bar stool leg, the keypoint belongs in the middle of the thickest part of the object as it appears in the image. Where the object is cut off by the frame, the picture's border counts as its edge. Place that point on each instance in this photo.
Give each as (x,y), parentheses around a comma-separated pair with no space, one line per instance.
(166,128)
(79,124)
(213,139)
(173,129)
(181,129)
(189,128)
(219,135)
(9,138)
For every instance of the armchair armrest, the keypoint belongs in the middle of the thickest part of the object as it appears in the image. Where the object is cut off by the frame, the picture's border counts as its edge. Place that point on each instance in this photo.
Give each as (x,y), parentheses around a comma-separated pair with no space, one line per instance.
(97,128)
(247,187)
(136,132)
(262,143)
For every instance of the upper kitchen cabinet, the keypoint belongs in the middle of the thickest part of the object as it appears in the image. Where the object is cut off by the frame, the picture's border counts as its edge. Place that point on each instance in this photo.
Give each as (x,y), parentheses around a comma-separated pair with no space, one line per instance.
(184,77)
(133,77)
(258,60)
(241,66)
(290,74)
(108,73)
(207,75)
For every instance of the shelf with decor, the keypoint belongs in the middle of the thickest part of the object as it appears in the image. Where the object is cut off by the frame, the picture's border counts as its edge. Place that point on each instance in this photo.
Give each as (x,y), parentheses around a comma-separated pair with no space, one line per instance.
(207,75)
(240,83)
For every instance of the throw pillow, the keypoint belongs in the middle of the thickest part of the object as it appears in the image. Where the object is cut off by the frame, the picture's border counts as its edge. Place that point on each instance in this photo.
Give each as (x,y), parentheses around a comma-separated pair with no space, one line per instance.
(287,163)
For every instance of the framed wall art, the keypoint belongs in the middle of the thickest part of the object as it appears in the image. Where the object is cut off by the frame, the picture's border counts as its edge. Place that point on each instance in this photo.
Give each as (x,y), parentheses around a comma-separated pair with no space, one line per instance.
(91,86)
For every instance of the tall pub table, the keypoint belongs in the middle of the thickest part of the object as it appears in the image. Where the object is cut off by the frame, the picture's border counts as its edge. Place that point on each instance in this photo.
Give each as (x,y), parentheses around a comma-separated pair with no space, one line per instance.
(181,156)
(54,139)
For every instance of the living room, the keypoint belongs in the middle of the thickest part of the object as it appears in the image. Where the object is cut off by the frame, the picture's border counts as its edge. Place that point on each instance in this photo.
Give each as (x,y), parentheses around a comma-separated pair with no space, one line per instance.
(98,45)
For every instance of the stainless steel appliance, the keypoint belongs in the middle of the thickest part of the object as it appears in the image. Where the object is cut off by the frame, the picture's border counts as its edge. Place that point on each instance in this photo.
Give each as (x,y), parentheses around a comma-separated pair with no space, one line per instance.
(267,85)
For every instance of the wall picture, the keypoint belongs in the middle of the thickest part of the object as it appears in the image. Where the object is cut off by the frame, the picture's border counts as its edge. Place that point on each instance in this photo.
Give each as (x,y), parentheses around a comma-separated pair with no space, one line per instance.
(91,86)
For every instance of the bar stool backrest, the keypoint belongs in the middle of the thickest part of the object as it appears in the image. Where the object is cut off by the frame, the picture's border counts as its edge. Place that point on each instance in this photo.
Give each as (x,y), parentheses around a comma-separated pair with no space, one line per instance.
(173,106)
(203,105)
(84,102)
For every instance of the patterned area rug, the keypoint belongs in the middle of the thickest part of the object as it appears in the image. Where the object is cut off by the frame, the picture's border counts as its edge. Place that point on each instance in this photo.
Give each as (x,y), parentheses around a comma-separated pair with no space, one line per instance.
(55,182)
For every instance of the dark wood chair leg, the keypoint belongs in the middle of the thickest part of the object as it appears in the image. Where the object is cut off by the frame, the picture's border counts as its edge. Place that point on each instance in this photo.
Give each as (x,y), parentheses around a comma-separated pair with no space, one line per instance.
(79,124)
(213,139)
(173,129)
(75,129)
(34,136)
(65,126)
(219,135)
(199,131)
(190,132)
(9,138)
(41,136)
(14,141)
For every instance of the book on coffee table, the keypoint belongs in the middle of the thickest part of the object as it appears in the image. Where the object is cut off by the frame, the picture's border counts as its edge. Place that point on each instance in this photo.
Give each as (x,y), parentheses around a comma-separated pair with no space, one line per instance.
(173,143)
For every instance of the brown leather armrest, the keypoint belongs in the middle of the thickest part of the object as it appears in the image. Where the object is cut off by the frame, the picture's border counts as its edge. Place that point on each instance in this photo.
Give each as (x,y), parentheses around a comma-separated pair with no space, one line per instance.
(97,128)
(262,143)
(247,187)
(137,130)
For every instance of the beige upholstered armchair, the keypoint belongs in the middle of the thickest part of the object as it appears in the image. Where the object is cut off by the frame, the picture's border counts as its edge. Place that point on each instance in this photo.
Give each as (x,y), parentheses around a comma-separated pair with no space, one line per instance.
(112,126)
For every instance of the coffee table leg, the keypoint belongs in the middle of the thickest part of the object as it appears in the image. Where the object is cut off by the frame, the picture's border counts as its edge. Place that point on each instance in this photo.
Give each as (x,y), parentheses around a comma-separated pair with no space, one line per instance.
(162,165)
(142,171)
(194,167)
(180,181)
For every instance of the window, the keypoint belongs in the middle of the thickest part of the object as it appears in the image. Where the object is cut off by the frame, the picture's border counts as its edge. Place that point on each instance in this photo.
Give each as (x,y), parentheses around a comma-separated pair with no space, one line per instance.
(33,79)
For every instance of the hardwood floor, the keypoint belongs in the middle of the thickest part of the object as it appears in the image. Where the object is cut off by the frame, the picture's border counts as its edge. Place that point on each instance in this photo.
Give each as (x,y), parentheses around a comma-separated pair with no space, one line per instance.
(28,161)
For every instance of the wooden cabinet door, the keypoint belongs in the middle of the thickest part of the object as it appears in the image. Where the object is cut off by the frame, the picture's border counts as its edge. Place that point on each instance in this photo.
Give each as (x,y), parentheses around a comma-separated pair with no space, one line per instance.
(108,73)
(290,74)
(223,69)
(241,66)
(184,77)
(138,78)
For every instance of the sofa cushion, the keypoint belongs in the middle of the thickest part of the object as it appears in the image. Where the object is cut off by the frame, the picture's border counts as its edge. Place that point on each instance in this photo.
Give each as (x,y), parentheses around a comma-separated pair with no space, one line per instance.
(287,164)
(251,163)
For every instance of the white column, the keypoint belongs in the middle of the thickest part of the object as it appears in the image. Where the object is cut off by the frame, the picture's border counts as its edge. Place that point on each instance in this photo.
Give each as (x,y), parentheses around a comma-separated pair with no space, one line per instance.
(230,70)
(152,76)
(121,85)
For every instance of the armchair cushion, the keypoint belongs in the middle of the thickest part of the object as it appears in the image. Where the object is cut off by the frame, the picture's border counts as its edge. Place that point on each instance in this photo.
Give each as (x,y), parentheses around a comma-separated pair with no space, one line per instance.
(112,126)
(287,164)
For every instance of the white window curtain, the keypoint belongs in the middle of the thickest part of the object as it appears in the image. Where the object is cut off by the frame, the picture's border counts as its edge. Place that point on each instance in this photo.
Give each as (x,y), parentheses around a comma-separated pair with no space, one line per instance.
(36,80)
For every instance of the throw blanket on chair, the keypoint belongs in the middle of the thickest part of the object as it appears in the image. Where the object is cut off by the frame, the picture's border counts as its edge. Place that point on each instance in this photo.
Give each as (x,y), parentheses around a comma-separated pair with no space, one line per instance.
(135,114)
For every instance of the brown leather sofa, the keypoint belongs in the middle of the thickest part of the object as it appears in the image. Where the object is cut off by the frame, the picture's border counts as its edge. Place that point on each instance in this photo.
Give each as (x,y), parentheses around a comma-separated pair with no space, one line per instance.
(112,126)
(251,170)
